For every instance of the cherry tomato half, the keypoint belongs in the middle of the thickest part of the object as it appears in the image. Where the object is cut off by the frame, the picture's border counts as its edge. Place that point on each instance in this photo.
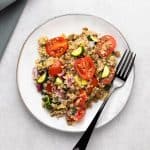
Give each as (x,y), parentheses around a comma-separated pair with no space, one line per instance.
(55,69)
(56,46)
(105,46)
(85,67)
(81,100)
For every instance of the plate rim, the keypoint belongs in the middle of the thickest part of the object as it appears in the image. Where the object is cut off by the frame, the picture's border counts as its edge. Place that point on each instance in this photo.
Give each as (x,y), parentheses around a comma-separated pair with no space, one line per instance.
(21,50)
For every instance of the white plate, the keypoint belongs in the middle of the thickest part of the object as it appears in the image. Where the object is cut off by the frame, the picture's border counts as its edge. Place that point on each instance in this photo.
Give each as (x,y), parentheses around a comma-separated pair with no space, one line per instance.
(72,23)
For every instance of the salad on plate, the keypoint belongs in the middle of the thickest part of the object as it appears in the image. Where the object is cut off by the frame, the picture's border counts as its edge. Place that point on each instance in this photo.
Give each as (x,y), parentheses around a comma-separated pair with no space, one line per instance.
(73,71)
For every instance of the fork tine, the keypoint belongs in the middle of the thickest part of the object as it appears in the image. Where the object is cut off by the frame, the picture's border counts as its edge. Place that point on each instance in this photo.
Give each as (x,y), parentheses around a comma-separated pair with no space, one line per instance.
(127,72)
(126,63)
(122,61)
(118,66)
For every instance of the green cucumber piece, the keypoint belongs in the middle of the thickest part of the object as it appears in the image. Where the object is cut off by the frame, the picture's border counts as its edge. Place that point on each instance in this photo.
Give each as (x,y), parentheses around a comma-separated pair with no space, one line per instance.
(92,38)
(78,51)
(42,78)
(47,101)
(58,81)
(105,72)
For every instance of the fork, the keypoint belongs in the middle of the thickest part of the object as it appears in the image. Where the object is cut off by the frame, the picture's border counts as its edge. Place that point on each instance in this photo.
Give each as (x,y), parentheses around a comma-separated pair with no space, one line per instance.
(122,72)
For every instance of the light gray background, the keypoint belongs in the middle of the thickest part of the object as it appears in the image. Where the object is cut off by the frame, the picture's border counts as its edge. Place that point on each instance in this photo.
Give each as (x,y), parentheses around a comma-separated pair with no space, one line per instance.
(129,131)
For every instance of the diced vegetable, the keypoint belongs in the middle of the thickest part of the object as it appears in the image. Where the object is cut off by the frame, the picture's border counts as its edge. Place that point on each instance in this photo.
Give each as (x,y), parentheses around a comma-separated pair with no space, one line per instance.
(47,101)
(57,46)
(85,67)
(55,69)
(42,78)
(79,114)
(73,110)
(39,87)
(78,51)
(58,81)
(81,82)
(92,38)
(49,87)
(105,46)
(84,82)
(78,80)
(105,72)
(108,80)
(93,84)
(81,100)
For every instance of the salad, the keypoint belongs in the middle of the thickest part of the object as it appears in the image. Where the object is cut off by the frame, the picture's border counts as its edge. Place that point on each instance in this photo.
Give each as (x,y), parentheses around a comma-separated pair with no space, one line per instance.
(73,71)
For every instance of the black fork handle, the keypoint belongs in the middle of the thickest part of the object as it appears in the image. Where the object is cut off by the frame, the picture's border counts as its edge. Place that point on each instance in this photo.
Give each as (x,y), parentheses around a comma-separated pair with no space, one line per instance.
(82,143)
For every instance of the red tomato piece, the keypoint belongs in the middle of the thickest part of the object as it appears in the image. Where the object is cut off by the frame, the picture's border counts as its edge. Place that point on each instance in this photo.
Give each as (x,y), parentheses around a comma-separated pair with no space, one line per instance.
(105,46)
(85,67)
(56,46)
(81,100)
(55,69)
(48,87)
(78,115)
(94,83)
